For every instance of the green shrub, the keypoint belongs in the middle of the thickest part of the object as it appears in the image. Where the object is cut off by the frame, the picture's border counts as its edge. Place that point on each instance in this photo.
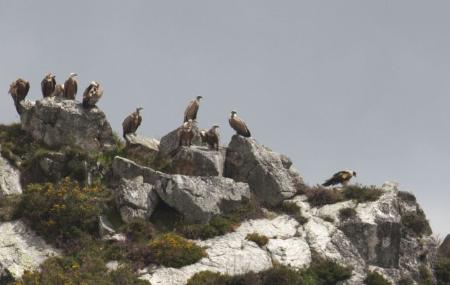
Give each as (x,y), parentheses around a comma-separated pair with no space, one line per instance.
(62,212)
(425,276)
(319,196)
(361,193)
(442,271)
(406,281)
(415,223)
(207,278)
(260,240)
(347,213)
(407,196)
(326,272)
(294,211)
(375,278)
(139,230)
(173,250)
(8,207)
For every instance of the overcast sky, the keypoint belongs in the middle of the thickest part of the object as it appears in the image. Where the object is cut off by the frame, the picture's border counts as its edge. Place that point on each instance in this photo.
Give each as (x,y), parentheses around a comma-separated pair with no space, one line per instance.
(332,84)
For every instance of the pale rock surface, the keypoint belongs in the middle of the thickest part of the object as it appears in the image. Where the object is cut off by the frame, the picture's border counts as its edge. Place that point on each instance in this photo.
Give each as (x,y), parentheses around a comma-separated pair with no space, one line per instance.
(21,249)
(198,161)
(9,179)
(146,149)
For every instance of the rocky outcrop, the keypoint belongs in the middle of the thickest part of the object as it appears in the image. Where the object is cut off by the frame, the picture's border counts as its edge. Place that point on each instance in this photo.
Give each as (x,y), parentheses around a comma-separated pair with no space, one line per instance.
(444,248)
(198,161)
(271,176)
(9,179)
(65,122)
(136,199)
(171,142)
(142,148)
(21,249)
(197,198)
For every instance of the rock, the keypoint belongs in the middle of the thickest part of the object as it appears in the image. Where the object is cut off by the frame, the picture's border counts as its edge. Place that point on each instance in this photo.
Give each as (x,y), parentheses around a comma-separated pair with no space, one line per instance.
(197,198)
(444,248)
(112,265)
(271,176)
(292,252)
(171,142)
(198,161)
(9,179)
(143,149)
(21,249)
(105,227)
(136,199)
(65,122)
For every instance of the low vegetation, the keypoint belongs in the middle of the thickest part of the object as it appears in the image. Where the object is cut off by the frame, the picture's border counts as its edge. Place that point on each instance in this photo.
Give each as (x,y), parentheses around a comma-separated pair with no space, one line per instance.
(320,273)
(319,196)
(375,278)
(442,270)
(8,207)
(347,213)
(294,211)
(415,223)
(260,240)
(173,250)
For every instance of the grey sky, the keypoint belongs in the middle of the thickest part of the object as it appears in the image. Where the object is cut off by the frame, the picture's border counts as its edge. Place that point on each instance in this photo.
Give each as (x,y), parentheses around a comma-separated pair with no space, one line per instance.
(332,84)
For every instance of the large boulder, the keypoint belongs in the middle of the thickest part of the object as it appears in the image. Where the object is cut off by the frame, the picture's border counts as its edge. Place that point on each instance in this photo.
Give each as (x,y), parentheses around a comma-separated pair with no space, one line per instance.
(21,249)
(9,179)
(136,199)
(65,122)
(142,149)
(171,142)
(198,161)
(444,248)
(197,198)
(271,176)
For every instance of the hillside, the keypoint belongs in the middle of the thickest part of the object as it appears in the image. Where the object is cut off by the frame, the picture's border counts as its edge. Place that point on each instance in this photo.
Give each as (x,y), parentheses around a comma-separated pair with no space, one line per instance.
(79,206)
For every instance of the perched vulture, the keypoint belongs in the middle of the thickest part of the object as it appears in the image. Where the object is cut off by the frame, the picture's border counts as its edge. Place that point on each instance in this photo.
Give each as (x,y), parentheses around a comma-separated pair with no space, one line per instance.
(71,87)
(132,123)
(342,177)
(211,137)
(59,91)
(48,85)
(186,133)
(92,94)
(192,109)
(239,125)
(19,90)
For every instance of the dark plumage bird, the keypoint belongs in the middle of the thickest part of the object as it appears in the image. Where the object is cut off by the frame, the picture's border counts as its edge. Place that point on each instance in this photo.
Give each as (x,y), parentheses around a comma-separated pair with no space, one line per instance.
(186,133)
(92,94)
(59,91)
(239,125)
(191,111)
(19,90)
(132,123)
(341,177)
(211,137)
(48,85)
(71,87)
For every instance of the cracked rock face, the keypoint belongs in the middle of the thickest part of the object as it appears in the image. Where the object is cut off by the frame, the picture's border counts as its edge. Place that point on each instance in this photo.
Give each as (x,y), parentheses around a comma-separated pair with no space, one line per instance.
(136,199)
(171,142)
(65,122)
(21,249)
(145,149)
(271,176)
(198,161)
(9,179)
(197,198)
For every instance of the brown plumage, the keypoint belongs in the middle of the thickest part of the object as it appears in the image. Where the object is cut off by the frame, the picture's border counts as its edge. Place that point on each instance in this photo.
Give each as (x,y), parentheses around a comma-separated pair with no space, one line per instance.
(19,90)
(71,87)
(191,111)
(211,137)
(186,133)
(59,91)
(92,94)
(341,177)
(239,125)
(131,123)
(48,85)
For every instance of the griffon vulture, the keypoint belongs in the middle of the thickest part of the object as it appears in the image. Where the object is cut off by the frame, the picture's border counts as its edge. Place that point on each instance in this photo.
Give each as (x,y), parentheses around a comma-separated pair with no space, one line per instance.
(48,85)
(92,94)
(239,125)
(19,90)
(341,177)
(71,87)
(192,109)
(132,123)
(186,134)
(211,137)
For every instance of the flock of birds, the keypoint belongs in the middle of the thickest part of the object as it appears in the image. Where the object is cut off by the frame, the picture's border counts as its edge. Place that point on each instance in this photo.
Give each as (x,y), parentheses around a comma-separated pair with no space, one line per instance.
(92,94)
